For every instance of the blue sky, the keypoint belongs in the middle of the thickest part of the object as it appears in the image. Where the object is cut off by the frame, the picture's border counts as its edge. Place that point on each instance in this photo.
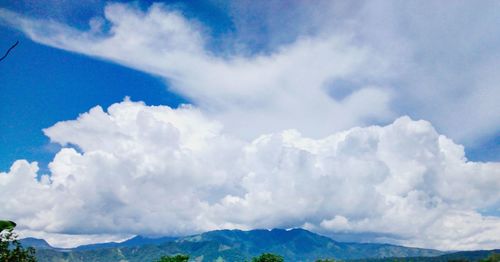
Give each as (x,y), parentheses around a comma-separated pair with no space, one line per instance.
(41,101)
(327,83)
(60,86)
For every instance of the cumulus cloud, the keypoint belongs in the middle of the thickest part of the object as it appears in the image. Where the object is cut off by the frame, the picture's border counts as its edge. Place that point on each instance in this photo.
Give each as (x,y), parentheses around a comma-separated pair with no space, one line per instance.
(226,161)
(137,169)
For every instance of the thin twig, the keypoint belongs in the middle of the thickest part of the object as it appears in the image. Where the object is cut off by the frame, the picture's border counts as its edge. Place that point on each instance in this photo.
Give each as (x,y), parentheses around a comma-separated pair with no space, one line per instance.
(7,53)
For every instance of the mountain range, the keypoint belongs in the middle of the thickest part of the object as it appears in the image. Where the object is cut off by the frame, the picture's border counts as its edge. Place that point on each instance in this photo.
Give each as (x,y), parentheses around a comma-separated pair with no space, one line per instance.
(234,245)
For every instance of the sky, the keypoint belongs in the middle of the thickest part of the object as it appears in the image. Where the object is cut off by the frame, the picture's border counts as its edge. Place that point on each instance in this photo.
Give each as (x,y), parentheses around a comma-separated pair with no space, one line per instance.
(372,121)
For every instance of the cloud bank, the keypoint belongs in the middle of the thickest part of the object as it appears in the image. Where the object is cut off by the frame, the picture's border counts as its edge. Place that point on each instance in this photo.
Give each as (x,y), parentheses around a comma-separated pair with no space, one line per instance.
(137,169)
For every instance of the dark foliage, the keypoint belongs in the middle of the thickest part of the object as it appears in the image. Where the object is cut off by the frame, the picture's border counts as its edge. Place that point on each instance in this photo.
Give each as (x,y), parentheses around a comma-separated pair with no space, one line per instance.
(177,258)
(11,249)
(494,257)
(268,257)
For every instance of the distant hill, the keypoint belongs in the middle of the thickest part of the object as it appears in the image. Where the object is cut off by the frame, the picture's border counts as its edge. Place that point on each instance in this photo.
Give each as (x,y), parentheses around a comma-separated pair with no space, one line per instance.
(36,243)
(234,245)
(133,242)
(456,256)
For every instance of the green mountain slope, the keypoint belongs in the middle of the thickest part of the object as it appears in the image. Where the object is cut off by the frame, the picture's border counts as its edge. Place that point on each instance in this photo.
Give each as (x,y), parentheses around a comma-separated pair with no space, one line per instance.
(477,255)
(236,245)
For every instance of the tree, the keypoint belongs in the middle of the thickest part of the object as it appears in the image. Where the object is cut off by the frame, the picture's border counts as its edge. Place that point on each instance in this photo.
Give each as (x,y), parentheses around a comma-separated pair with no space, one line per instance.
(177,258)
(325,260)
(11,249)
(7,225)
(268,257)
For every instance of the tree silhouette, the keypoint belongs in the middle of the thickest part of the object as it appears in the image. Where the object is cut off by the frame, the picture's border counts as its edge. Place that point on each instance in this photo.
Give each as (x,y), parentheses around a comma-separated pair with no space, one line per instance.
(177,258)
(268,257)
(11,249)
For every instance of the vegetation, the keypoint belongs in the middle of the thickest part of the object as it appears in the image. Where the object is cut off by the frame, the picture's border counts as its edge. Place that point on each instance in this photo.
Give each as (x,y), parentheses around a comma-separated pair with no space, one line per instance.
(177,258)
(237,245)
(494,257)
(7,225)
(11,249)
(268,257)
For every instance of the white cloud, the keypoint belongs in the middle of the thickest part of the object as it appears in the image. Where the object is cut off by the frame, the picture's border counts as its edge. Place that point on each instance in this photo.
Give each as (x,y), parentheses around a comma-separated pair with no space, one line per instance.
(286,89)
(156,170)
(428,60)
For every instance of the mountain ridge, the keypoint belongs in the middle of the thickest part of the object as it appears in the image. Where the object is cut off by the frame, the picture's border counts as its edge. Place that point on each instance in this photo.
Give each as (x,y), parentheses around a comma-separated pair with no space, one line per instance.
(234,245)
(131,242)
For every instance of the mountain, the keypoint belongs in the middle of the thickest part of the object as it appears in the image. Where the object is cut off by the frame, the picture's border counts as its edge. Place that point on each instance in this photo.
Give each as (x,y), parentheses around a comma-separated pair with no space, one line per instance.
(35,243)
(135,241)
(460,256)
(235,245)
(467,255)
(301,245)
(132,242)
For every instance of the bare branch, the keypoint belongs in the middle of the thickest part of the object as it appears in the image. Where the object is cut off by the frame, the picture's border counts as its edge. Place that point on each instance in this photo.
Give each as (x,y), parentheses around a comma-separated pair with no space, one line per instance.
(7,53)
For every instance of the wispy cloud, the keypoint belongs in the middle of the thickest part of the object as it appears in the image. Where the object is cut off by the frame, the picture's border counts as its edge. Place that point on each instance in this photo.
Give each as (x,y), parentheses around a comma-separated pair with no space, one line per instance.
(431,61)
(281,90)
